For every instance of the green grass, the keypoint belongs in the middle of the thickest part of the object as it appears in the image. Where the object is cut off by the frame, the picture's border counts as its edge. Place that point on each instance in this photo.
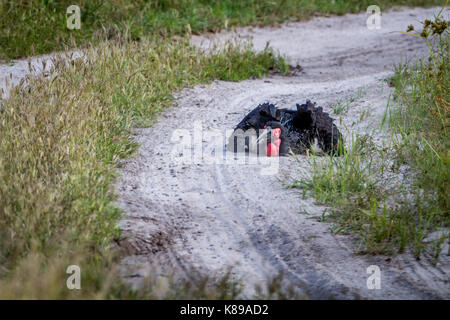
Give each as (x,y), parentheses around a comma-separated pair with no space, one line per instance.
(421,126)
(352,186)
(342,106)
(30,27)
(62,139)
(388,214)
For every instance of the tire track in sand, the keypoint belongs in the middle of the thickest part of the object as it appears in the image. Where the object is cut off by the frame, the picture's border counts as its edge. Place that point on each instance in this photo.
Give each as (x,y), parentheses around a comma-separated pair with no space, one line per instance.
(217,216)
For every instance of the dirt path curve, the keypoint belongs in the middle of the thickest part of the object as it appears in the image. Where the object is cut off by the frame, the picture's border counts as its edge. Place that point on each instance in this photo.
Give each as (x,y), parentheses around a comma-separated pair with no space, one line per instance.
(212,216)
(12,73)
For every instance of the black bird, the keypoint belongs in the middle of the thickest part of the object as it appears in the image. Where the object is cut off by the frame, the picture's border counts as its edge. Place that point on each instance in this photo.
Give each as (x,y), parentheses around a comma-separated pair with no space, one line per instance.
(299,128)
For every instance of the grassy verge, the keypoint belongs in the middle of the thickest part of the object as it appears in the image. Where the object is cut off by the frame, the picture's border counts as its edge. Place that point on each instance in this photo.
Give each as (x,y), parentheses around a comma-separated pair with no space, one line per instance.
(394,196)
(30,27)
(61,139)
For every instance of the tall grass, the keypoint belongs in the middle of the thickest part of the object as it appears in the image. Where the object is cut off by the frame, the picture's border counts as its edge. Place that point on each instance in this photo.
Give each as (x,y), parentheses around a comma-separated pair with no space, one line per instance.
(61,139)
(352,185)
(393,196)
(29,27)
(421,125)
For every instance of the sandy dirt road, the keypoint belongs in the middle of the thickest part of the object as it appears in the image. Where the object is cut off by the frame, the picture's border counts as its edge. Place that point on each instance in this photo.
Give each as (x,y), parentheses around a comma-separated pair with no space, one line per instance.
(16,71)
(211,216)
(208,217)
(182,216)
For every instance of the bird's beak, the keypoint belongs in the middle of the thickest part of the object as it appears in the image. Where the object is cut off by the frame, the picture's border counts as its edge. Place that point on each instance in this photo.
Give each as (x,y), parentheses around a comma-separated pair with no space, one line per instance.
(263,134)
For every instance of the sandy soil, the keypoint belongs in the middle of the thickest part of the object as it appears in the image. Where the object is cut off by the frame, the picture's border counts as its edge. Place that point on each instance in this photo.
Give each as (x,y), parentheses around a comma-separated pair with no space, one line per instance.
(182,216)
(208,217)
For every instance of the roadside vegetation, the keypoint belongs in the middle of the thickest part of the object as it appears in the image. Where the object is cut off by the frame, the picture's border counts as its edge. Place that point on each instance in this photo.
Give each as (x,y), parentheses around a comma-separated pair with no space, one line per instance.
(63,136)
(395,195)
(342,106)
(31,27)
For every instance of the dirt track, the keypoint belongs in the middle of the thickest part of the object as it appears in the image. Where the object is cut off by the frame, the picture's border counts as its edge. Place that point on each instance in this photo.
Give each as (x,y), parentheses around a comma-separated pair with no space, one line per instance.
(212,216)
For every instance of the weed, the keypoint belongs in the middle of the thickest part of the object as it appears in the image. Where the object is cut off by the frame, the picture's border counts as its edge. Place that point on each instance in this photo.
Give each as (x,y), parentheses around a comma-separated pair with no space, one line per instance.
(63,137)
(342,106)
(36,26)
(390,216)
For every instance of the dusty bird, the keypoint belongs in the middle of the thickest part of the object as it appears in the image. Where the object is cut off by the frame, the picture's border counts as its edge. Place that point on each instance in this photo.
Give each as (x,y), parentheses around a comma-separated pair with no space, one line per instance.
(284,131)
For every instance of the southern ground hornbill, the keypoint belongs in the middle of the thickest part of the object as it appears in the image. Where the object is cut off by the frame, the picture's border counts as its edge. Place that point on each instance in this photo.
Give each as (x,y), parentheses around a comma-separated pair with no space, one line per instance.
(284,130)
